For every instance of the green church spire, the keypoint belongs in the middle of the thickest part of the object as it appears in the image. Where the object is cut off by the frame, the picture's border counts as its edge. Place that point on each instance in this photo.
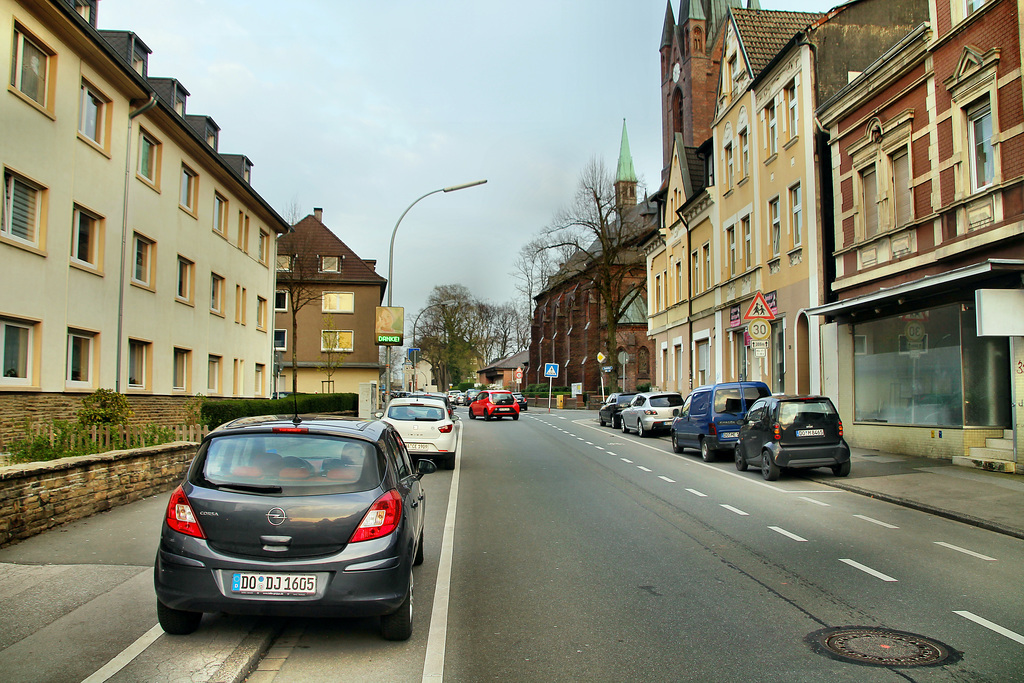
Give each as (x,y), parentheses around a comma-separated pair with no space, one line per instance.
(625,172)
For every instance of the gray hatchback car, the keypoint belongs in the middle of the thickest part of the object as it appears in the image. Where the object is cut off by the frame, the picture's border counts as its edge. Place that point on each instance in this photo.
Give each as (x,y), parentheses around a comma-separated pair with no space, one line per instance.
(303,516)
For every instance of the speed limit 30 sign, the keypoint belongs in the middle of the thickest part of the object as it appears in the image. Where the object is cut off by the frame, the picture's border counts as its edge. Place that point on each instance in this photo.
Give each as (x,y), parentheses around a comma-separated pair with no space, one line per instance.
(759,329)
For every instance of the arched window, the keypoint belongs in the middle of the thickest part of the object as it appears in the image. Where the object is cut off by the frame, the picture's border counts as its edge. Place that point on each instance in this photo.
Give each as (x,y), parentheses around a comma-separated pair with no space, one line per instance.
(643,363)
(698,40)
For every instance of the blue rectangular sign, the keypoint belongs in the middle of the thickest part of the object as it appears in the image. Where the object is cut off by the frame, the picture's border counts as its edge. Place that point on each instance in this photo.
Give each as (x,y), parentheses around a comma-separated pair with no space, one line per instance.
(551,369)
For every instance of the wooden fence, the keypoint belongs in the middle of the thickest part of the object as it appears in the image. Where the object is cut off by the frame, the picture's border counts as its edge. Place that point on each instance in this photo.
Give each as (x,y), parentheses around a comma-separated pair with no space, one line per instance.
(103,436)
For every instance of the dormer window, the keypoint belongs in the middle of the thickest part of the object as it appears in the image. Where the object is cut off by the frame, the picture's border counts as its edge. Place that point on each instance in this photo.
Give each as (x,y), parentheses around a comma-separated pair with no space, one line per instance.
(139,63)
(330,264)
(179,103)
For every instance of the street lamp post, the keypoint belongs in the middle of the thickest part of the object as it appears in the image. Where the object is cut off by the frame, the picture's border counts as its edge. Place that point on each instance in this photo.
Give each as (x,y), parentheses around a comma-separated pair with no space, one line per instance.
(447,302)
(391,260)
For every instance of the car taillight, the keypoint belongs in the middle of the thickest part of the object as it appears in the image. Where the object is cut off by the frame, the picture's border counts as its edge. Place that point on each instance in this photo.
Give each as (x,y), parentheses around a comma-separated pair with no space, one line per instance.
(290,430)
(180,516)
(712,428)
(650,412)
(840,427)
(381,519)
(444,429)
(777,431)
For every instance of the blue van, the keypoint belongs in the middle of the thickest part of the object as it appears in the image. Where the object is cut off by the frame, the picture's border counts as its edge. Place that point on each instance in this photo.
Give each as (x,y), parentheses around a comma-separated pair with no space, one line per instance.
(710,418)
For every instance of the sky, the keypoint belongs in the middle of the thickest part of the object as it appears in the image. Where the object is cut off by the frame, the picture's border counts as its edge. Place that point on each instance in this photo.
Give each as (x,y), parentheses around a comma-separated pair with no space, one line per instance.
(359,107)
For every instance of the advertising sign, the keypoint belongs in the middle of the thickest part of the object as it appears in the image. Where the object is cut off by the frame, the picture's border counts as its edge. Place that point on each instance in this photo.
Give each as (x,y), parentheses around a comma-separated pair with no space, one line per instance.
(389,329)
(735,317)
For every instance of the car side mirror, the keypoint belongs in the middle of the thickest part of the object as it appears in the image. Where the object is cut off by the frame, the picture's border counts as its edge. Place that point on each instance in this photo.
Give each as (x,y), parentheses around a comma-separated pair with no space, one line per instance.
(378,415)
(675,412)
(425,467)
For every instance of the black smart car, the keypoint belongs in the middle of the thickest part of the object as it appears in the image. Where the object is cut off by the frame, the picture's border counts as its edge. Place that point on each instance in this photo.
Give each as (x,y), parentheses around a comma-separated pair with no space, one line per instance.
(782,432)
(310,516)
(609,412)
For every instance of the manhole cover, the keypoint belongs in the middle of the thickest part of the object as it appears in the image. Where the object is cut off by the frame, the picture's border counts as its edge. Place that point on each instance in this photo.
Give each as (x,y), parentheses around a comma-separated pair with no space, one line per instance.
(881,647)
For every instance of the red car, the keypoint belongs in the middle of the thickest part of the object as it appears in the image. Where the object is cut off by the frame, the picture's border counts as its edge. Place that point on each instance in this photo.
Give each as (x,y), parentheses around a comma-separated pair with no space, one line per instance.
(494,403)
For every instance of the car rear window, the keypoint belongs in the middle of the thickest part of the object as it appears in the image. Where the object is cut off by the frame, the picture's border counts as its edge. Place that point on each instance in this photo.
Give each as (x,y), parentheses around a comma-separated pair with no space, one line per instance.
(499,399)
(666,400)
(727,399)
(302,463)
(806,412)
(416,413)
(625,398)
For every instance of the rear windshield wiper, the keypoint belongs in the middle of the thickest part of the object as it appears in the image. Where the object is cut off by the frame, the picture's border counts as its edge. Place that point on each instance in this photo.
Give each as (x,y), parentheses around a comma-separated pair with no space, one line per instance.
(427,419)
(256,488)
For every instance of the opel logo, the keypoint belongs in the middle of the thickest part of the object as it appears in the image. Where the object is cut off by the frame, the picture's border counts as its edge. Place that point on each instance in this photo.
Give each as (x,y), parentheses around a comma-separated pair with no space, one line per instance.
(276,516)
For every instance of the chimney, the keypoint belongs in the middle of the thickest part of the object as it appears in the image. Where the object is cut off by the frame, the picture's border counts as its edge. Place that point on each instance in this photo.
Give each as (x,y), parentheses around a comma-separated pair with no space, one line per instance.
(318,214)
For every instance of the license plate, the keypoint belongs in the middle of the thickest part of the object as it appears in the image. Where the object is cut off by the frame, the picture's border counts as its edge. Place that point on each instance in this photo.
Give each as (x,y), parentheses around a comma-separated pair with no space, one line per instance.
(504,410)
(251,583)
(417,446)
(730,435)
(810,432)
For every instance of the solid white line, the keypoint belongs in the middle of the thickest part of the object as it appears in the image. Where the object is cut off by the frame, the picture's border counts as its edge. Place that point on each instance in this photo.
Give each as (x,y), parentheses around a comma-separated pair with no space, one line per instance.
(965,551)
(816,502)
(868,570)
(433,661)
(126,656)
(991,626)
(697,493)
(641,467)
(730,508)
(788,533)
(875,521)
(671,481)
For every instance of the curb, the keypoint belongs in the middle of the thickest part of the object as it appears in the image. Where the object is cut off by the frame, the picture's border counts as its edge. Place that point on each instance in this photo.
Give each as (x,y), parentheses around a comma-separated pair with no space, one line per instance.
(244,659)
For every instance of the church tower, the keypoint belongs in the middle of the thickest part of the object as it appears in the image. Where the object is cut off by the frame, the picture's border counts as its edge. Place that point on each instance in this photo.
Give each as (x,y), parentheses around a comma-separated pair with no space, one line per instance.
(625,176)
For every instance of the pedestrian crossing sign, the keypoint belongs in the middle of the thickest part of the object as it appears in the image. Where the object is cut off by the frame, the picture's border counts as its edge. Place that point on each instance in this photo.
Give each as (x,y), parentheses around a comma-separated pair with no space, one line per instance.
(551,369)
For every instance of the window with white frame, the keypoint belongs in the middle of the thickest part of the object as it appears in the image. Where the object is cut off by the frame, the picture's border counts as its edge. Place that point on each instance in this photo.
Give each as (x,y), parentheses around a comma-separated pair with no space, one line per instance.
(280,340)
(706,250)
(748,243)
(182,361)
(21,209)
(730,234)
(979,136)
(869,196)
(16,340)
(264,246)
(902,192)
(149,158)
(138,364)
(330,264)
(216,294)
(773,215)
(261,313)
(336,340)
(186,280)
(92,114)
(281,300)
(703,355)
(338,302)
(259,389)
(30,63)
(773,128)
(794,108)
(143,272)
(680,290)
(189,189)
(657,293)
(745,151)
(213,375)
(796,214)
(729,165)
(85,237)
(220,214)
(79,361)
(973,6)
(695,271)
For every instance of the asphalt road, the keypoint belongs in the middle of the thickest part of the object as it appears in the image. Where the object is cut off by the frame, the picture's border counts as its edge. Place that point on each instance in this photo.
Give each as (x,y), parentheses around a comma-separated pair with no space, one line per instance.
(571,552)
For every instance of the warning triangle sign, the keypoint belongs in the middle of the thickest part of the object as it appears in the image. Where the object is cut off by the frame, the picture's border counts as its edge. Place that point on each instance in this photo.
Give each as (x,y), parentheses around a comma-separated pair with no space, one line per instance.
(758,309)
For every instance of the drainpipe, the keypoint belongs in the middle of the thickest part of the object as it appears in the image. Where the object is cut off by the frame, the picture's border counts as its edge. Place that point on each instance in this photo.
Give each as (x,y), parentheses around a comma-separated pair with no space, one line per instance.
(124,234)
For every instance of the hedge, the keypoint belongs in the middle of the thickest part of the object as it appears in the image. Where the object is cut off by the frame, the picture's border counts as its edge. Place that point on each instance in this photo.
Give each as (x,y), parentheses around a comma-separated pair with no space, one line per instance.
(216,413)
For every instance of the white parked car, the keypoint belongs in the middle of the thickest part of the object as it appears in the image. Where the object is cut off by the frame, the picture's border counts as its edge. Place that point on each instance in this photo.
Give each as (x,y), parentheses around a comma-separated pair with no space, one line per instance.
(650,412)
(426,428)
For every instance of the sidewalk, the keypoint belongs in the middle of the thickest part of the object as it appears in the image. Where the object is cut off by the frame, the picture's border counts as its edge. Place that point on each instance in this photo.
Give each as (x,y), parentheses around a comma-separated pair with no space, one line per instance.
(989,500)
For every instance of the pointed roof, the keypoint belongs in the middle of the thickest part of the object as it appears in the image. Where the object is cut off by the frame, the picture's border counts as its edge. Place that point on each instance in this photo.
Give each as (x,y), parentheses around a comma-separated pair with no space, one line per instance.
(696,10)
(763,33)
(310,238)
(670,24)
(625,172)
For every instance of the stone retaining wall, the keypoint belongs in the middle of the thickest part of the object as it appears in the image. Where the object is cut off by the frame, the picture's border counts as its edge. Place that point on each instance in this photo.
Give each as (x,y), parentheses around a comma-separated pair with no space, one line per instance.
(38,496)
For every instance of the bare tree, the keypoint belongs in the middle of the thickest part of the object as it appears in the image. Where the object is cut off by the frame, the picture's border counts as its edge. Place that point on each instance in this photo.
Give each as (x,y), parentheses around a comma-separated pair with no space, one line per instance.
(332,348)
(603,238)
(298,274)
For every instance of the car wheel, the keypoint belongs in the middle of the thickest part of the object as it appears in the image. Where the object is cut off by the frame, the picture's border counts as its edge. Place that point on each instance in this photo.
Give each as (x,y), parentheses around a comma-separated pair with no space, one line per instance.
(449,464)
(616,423)
(419,552)
(175,621)
(769,470)
(842,469)
(515,417)
(622,424)
(640,428)
(741,462)
(676,448)
(398,624)
(707,454)
(471,415)
(600,418)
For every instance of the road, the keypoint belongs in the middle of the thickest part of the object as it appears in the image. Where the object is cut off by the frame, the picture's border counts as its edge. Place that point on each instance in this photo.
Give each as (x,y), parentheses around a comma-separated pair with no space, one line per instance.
(571,552)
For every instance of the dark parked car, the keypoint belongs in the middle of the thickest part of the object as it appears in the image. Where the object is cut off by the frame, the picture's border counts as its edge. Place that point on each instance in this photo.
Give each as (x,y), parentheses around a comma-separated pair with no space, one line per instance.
(710,418)
(783,432)
(521,400)
(287,516)
(609,412)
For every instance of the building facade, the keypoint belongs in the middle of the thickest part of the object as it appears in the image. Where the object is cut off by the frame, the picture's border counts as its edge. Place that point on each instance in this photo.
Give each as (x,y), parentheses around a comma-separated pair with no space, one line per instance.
(927,173)
(324,307)
(137,256)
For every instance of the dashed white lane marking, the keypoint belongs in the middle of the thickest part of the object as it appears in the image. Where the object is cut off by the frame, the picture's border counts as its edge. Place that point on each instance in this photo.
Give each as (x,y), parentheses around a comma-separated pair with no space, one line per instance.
(730,508)
(671,481)
(625,460)
(991,626)
(641,467)
(610,453)
(790,534)
(590,443)
(965,551)
(867,570)
(875,521)
(600,448)
(697,493)
(816,502)
(126,656)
